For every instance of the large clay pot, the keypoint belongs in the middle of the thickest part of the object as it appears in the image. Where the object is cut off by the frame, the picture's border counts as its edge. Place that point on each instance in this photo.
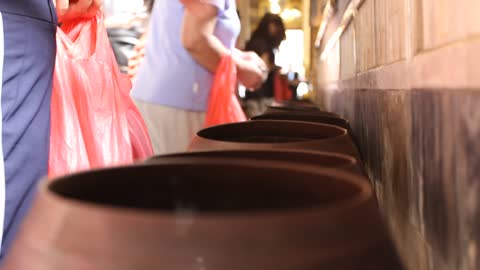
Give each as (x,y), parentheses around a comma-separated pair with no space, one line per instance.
(274,134)
(198,214)
(297,106)
(300,104)
(306,117)
(314,158)
(310,117)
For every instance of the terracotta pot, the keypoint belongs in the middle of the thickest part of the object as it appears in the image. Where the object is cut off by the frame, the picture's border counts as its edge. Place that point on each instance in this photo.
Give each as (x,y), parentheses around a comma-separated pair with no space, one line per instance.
(311,117)
(198,214)
(301,104)
(273,109)
(306,117)
(322,159)
(297,106)
(274,134)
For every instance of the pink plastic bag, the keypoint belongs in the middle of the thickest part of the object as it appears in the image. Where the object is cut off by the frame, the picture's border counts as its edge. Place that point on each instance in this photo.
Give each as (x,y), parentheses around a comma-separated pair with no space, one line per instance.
(94,121)
(223,106)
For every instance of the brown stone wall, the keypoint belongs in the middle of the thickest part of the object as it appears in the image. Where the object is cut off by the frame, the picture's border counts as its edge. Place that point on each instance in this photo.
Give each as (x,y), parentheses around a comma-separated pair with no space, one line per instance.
(406,73)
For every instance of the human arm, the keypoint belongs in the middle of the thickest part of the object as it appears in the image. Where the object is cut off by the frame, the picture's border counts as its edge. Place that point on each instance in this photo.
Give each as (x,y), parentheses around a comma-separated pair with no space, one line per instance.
(198,39)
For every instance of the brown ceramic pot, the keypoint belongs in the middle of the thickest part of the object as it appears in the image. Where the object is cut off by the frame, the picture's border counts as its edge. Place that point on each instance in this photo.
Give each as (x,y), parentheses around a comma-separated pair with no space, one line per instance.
(297,106)
(313,158)
(306,117)
(273,109)
(275,134)
(198,214)
(310,117)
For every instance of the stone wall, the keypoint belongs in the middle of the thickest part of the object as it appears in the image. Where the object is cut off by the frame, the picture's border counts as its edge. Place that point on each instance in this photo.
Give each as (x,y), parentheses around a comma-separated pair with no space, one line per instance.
(406,73)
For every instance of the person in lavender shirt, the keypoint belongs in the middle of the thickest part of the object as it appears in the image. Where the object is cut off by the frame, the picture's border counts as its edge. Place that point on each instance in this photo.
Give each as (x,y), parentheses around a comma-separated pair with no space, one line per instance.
(186,41)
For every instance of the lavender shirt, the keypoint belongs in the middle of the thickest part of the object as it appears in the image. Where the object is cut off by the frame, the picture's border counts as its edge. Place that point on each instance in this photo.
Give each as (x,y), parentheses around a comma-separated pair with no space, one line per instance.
(169,76)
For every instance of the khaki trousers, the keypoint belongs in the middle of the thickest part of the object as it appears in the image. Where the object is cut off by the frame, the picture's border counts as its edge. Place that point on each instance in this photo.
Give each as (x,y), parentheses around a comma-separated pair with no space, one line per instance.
(171,130)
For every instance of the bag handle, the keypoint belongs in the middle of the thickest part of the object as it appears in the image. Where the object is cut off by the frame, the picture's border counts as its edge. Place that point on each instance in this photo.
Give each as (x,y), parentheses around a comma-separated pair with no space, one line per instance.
(79,37)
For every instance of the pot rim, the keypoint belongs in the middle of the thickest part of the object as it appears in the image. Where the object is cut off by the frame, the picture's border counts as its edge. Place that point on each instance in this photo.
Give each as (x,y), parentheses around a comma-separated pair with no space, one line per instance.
(363,196)
(259,117)
(341,130)
(352,161)
(293,107)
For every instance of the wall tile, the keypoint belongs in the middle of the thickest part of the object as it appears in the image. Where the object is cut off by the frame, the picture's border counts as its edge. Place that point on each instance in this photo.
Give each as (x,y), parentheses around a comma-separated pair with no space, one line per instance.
(347,54)
(365,36)
(381,31)
(328,70)
(446,21)
(389,31)
(395,39)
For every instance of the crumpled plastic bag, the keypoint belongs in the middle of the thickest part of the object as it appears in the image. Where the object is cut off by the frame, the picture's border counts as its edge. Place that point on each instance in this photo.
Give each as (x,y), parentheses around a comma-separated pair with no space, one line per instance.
(281,89)
(94,122)
(223,106)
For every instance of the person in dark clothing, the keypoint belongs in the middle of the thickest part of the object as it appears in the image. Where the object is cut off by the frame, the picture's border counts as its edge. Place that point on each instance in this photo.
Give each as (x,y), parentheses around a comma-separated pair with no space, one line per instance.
(265,40)
(27,59)
(293,84)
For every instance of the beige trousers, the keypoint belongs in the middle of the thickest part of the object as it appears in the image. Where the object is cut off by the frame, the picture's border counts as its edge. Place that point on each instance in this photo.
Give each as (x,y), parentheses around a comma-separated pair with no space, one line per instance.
(171,130)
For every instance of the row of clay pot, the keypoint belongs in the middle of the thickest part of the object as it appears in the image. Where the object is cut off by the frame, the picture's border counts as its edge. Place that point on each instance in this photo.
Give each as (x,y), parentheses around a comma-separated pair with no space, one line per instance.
(266,194)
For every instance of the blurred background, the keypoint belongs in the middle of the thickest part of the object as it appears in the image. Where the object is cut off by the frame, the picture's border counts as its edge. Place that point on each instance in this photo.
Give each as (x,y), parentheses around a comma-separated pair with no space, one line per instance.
(405,73)
(127,20)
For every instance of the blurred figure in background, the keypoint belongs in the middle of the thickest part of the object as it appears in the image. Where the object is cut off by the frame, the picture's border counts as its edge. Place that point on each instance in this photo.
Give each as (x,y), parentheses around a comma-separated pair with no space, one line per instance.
(139,51)
(126,22)
(149,5)
(293,84)
(265,40)
(185,43)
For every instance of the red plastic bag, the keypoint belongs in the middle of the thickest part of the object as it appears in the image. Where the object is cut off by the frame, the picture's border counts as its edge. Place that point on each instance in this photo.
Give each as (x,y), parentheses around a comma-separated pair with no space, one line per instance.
(281,89)
(94,122)
(223,106)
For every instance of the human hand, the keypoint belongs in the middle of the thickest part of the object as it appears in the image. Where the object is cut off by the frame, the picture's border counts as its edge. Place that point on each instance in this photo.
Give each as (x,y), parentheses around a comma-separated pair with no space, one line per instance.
(252,70)
(76,9)
(136,59)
